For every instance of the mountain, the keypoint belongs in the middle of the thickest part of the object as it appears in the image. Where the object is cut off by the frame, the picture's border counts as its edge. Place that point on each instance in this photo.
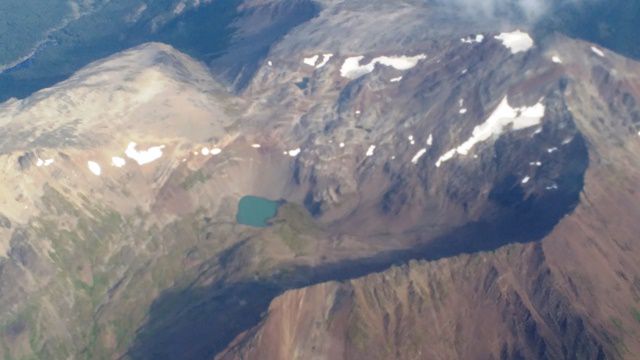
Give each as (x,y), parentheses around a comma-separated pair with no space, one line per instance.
(448,186)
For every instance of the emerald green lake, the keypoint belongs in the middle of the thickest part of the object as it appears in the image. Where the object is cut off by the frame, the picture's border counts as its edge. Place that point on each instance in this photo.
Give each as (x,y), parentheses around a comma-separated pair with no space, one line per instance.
(256,211)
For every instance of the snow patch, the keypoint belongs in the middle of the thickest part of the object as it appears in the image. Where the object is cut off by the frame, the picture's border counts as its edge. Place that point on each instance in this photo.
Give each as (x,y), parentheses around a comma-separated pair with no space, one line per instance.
(463,111)
(94,167)
(352,69)
(597,51)
(395,79)
(400,62)
(341,145)
(446,157)
(256,146)
(552,150)
(516,41)
(294,152)
(45,163)
(325,60)
(430,140)
(143,157)
(418,155)
(370,150)
(215,151)
(535,163)
(204,151)
(470,40)
(501,118)
(118,161)
(311,61)
(556,59)
(526,180)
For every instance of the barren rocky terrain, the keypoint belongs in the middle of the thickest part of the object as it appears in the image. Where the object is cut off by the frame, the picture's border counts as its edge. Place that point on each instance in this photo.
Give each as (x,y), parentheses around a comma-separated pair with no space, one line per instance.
(452,188)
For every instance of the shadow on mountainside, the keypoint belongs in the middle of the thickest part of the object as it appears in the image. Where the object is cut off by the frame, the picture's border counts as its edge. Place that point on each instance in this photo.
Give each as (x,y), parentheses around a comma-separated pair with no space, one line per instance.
(611,24)
(206,33)
(199,322)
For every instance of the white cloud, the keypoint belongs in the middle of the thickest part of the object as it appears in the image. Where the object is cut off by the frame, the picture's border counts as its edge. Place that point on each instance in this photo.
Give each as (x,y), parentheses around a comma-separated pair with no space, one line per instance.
(498,10)
(516,41)
(529,9)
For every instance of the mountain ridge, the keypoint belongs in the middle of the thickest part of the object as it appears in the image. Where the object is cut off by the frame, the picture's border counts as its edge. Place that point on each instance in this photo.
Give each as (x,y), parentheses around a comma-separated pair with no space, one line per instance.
(145,260)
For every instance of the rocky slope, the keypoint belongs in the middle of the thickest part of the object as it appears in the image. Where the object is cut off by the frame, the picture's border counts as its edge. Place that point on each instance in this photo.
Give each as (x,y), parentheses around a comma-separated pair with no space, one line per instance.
(573,295)
(506,166)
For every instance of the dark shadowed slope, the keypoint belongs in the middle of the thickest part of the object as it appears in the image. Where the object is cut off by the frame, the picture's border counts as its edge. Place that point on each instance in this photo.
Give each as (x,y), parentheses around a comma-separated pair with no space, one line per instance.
(239,32)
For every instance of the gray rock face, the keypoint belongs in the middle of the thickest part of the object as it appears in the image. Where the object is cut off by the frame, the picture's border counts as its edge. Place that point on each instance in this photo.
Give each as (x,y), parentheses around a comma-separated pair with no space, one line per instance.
(25,161)
(5,222)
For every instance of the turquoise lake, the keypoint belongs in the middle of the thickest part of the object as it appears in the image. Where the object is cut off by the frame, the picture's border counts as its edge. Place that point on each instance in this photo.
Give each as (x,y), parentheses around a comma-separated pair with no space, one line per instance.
(256,211)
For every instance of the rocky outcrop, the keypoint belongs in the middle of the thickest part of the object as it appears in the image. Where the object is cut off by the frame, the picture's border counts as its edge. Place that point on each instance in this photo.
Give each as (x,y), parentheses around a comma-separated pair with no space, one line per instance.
(480,306)
(570,296)
(506,179)
(573,295)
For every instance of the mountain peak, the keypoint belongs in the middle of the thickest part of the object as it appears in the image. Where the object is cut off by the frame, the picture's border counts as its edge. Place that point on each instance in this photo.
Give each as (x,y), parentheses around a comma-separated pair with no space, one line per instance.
(375,161)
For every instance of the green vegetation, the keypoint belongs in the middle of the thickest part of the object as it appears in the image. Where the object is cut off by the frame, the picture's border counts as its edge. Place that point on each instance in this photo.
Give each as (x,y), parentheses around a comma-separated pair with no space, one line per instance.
(193,179)
(80,238)
(617,323)
(90,247)
(636,314)
(293,226)
(291,238)
(24,323)
(56,203)
(80,250)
